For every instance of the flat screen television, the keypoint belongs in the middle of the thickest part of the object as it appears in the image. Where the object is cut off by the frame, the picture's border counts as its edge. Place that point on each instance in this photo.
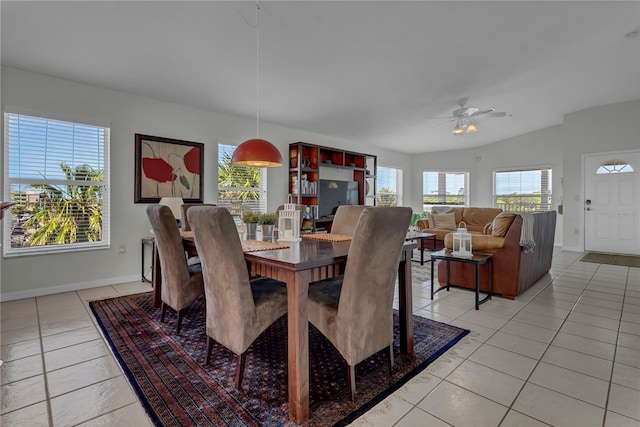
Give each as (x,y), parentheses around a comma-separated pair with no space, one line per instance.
(333,193)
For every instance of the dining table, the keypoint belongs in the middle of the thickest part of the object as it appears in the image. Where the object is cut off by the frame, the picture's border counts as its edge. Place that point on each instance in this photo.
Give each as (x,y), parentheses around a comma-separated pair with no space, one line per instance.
(297,264)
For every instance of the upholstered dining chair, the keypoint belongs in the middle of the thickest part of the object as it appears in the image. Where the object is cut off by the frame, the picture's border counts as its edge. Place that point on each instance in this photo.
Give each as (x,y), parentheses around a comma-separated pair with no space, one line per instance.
(185,207)
(355,311)
(346,218)
(180,286)
(238,309)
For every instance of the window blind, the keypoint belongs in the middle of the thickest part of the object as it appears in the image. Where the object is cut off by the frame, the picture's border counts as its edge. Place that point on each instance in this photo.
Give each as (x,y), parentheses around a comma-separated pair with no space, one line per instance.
(523,190)
(57,173)
(388,184)
(238,183)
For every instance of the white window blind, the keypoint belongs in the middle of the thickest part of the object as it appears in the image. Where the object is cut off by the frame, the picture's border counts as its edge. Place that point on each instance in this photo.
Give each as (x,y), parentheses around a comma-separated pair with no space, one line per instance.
(444,188)
(523,190)
(239,183)
(388,185)
(57,173)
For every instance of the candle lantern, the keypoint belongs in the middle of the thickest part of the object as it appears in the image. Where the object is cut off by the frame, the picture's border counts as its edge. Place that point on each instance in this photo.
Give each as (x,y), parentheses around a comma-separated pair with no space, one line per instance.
(462,242)
(289,223)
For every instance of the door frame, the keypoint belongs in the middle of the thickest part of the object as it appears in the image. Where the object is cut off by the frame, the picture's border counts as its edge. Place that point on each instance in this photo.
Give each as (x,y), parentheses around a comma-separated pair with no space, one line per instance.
(617,153)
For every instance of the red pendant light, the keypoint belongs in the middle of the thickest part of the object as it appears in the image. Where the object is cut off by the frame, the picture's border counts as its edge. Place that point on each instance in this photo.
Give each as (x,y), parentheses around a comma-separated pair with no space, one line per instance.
(257,152)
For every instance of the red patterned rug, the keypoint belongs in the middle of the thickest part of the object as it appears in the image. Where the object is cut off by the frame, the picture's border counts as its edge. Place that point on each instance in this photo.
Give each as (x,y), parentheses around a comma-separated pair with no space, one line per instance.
(176,389)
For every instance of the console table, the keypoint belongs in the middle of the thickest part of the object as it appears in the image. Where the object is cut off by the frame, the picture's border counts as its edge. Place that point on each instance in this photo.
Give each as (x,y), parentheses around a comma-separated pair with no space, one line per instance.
(476,259)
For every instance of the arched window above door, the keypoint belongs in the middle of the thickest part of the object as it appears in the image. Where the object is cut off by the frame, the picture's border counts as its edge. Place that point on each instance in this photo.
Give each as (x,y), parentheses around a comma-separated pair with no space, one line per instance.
(614,166)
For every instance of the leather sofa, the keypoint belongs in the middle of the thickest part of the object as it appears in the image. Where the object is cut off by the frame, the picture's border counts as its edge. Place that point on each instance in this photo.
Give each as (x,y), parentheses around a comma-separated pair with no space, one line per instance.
(515,268)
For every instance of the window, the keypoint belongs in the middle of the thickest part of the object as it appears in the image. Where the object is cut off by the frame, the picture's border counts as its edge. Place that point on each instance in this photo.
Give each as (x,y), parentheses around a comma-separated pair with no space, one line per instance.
(57,174)
(444,188)
(523,190)
(388,186)
(614,166)
(239,183)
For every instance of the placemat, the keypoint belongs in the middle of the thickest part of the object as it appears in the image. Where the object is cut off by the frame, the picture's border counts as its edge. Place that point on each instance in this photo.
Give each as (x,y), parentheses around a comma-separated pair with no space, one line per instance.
(259,245)
(327,237)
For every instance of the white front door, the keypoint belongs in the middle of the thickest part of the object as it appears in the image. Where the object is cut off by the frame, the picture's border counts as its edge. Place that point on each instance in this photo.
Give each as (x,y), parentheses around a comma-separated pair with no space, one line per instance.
(612,202)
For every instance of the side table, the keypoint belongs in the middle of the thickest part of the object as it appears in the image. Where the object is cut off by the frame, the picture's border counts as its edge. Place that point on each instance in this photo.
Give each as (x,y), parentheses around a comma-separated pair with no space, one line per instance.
(476,259)
(422,238)
(148,241)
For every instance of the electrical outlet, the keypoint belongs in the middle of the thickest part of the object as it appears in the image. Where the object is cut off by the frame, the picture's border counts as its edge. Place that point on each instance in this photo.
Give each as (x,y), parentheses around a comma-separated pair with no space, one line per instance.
(122,249)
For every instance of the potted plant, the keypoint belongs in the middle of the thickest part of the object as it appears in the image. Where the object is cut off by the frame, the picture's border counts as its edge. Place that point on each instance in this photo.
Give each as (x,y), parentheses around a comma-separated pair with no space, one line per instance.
(251,219)
(267,221)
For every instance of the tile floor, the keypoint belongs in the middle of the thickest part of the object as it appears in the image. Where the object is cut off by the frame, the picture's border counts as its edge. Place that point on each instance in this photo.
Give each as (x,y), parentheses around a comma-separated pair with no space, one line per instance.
(565,353)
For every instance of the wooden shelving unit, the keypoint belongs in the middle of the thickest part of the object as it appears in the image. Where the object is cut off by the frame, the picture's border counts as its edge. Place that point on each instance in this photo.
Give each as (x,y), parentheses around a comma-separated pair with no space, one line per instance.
(306,162)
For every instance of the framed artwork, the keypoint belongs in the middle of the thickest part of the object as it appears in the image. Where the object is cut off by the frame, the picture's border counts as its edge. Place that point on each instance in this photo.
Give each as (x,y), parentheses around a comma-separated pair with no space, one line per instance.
(168,168)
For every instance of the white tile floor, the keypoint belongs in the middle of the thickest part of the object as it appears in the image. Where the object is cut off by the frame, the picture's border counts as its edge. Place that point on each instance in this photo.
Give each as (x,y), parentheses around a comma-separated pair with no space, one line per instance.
(565,353)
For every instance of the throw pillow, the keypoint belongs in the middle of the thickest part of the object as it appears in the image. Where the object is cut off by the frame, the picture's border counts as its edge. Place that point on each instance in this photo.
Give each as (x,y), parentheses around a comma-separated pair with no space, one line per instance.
(444,221)
(501,224)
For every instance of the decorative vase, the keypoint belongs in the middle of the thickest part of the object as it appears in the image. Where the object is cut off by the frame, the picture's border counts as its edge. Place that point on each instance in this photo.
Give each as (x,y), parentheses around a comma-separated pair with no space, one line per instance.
(267,230)
(251,229)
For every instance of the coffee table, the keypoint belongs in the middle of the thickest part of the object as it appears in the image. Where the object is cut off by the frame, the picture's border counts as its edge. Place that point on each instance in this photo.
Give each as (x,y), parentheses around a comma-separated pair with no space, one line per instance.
(477,259)
(422,237)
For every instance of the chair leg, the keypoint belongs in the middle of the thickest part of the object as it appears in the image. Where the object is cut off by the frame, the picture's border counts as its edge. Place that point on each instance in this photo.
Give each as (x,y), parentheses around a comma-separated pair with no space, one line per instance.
(179,323)
(207,356)
(390,359)
(163,311)
(241,360)
(351,381)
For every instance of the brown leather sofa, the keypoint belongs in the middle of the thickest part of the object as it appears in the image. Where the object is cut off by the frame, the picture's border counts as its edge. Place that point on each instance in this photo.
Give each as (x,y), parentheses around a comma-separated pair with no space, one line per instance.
(514,268)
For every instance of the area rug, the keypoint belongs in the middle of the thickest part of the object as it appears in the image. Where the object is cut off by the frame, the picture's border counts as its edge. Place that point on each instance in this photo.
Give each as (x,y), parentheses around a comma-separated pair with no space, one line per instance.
(176,389)
(612,259)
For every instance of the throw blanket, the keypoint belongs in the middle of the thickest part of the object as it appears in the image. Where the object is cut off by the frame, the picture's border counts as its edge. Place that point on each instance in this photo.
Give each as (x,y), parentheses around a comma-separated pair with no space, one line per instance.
(526,235)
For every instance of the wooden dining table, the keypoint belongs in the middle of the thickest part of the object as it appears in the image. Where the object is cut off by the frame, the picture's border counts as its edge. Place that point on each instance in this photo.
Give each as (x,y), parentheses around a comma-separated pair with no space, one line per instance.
(298,265)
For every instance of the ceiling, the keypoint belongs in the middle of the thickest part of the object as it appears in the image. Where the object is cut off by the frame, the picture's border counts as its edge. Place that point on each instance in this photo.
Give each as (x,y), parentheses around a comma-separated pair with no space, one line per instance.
(382,73)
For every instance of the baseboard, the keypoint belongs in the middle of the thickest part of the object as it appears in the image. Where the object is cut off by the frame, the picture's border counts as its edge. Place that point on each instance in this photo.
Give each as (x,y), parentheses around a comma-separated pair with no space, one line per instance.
(30,293)
(572,249)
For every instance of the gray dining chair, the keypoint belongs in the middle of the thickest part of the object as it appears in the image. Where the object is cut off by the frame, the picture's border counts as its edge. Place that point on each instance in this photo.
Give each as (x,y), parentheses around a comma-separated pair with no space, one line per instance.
(346,218)
(185,207)
(180,286)
(238,309)
(355,311)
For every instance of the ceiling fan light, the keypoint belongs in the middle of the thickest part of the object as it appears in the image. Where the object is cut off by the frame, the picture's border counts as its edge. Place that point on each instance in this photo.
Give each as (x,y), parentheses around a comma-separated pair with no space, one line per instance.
(458,130)
(471,128)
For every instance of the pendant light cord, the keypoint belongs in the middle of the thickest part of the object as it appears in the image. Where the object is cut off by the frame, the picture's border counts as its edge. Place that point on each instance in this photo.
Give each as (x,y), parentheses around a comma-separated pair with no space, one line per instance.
(257,69)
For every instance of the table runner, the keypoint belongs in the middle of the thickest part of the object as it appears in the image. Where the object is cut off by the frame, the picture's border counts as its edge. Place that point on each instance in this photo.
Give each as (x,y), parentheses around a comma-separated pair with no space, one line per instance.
(248,245)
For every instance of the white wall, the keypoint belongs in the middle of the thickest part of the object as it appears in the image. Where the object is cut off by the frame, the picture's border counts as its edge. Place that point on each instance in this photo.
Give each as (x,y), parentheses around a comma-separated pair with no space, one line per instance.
(130,114)
(599,129)
(607,128)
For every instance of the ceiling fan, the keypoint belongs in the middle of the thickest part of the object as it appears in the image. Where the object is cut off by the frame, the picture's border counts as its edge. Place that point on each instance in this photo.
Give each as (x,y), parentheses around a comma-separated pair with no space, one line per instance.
(465,116)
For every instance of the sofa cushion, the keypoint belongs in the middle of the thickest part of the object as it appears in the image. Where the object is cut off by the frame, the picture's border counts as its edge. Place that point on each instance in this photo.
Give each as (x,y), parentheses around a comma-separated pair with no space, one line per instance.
(478,217)
(445,221)
(479,242)
(501,223)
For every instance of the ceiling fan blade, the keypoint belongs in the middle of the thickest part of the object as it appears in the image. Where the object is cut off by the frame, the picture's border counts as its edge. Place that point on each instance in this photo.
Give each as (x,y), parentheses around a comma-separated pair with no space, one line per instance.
(443,123)
(483,112)
(496,114)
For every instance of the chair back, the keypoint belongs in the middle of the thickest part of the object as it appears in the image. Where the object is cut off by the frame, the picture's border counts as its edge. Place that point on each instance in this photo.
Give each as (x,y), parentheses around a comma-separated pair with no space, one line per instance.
(173,263)
(186,226)
(229,300)
(346,219)
(365,309)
